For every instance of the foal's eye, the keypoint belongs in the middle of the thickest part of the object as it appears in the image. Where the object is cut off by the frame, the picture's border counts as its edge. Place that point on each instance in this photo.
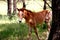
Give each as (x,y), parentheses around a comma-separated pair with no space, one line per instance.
(22,14)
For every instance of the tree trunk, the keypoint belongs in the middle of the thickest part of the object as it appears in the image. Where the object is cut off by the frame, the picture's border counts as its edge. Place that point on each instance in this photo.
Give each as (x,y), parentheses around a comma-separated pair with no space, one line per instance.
(9,7)
(55,29)
(24,6)
(44,8)
(14,7)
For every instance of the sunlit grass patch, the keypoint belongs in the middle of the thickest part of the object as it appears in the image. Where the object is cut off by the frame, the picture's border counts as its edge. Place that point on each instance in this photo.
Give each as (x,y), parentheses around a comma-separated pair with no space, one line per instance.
(5,19)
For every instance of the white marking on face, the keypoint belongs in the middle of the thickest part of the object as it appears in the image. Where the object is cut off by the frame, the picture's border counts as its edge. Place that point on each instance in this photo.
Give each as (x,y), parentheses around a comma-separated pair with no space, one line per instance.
(20,17)
(21,13)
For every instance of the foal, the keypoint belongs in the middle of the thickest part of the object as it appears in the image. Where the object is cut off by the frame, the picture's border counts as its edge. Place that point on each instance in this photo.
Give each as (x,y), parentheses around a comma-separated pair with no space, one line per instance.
(32,18)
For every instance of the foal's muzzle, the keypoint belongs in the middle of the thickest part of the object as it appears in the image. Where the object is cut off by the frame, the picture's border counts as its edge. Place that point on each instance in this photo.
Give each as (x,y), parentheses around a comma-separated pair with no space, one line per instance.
(20,20)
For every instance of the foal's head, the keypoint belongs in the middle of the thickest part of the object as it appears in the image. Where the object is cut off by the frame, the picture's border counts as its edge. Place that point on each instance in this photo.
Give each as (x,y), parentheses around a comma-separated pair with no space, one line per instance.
(23,13)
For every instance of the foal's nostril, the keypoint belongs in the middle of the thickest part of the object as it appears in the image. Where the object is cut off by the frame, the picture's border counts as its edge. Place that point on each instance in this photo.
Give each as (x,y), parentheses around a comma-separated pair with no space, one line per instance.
(19,21)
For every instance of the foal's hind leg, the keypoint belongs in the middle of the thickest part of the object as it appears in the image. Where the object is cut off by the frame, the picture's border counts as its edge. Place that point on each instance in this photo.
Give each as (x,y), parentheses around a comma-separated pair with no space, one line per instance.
(48,24)
(48,28)
(35,30)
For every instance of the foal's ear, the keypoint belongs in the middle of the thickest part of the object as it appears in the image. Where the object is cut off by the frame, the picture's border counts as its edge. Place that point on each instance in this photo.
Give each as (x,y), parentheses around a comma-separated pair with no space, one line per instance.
(18,9)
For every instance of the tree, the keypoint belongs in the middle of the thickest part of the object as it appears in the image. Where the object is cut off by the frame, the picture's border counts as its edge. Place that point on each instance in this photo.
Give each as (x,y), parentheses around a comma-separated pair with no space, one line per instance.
(23,3)
(49,5)
(14,7)
(55,29)
(44,4)
(9,7)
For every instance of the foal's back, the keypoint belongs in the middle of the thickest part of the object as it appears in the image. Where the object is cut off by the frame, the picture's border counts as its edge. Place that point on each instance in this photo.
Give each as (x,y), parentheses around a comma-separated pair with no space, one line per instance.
(40,16)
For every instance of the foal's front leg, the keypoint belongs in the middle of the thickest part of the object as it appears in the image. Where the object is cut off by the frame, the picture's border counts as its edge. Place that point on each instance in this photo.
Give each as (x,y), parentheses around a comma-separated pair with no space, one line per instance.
(35,30)
(29,35)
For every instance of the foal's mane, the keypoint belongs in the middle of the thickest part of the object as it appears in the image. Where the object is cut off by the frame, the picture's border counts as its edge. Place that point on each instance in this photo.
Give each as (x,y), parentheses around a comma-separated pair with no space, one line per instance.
(28,10)
(35,12)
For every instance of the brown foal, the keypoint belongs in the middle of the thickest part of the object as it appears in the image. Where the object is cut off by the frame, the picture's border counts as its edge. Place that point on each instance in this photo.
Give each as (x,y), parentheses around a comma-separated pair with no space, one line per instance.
(32,18)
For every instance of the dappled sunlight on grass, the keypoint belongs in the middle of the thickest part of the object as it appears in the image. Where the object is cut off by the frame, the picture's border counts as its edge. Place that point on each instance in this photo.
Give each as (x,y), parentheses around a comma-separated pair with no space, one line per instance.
(7,21)
(11,21)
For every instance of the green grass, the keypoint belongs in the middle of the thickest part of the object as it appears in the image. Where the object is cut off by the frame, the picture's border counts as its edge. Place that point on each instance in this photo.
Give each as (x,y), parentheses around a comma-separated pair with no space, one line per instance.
(13,30)
(18,31)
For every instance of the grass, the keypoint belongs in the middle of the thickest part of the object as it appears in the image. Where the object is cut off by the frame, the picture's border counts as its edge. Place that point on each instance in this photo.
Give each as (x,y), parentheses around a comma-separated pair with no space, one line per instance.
(18,31)
(13,30)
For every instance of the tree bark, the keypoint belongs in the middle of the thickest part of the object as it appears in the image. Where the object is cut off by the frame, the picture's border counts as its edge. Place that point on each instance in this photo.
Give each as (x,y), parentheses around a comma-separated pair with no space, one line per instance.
(44,8)
(14,7)
(9,7)
(24,6)
(55,29)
